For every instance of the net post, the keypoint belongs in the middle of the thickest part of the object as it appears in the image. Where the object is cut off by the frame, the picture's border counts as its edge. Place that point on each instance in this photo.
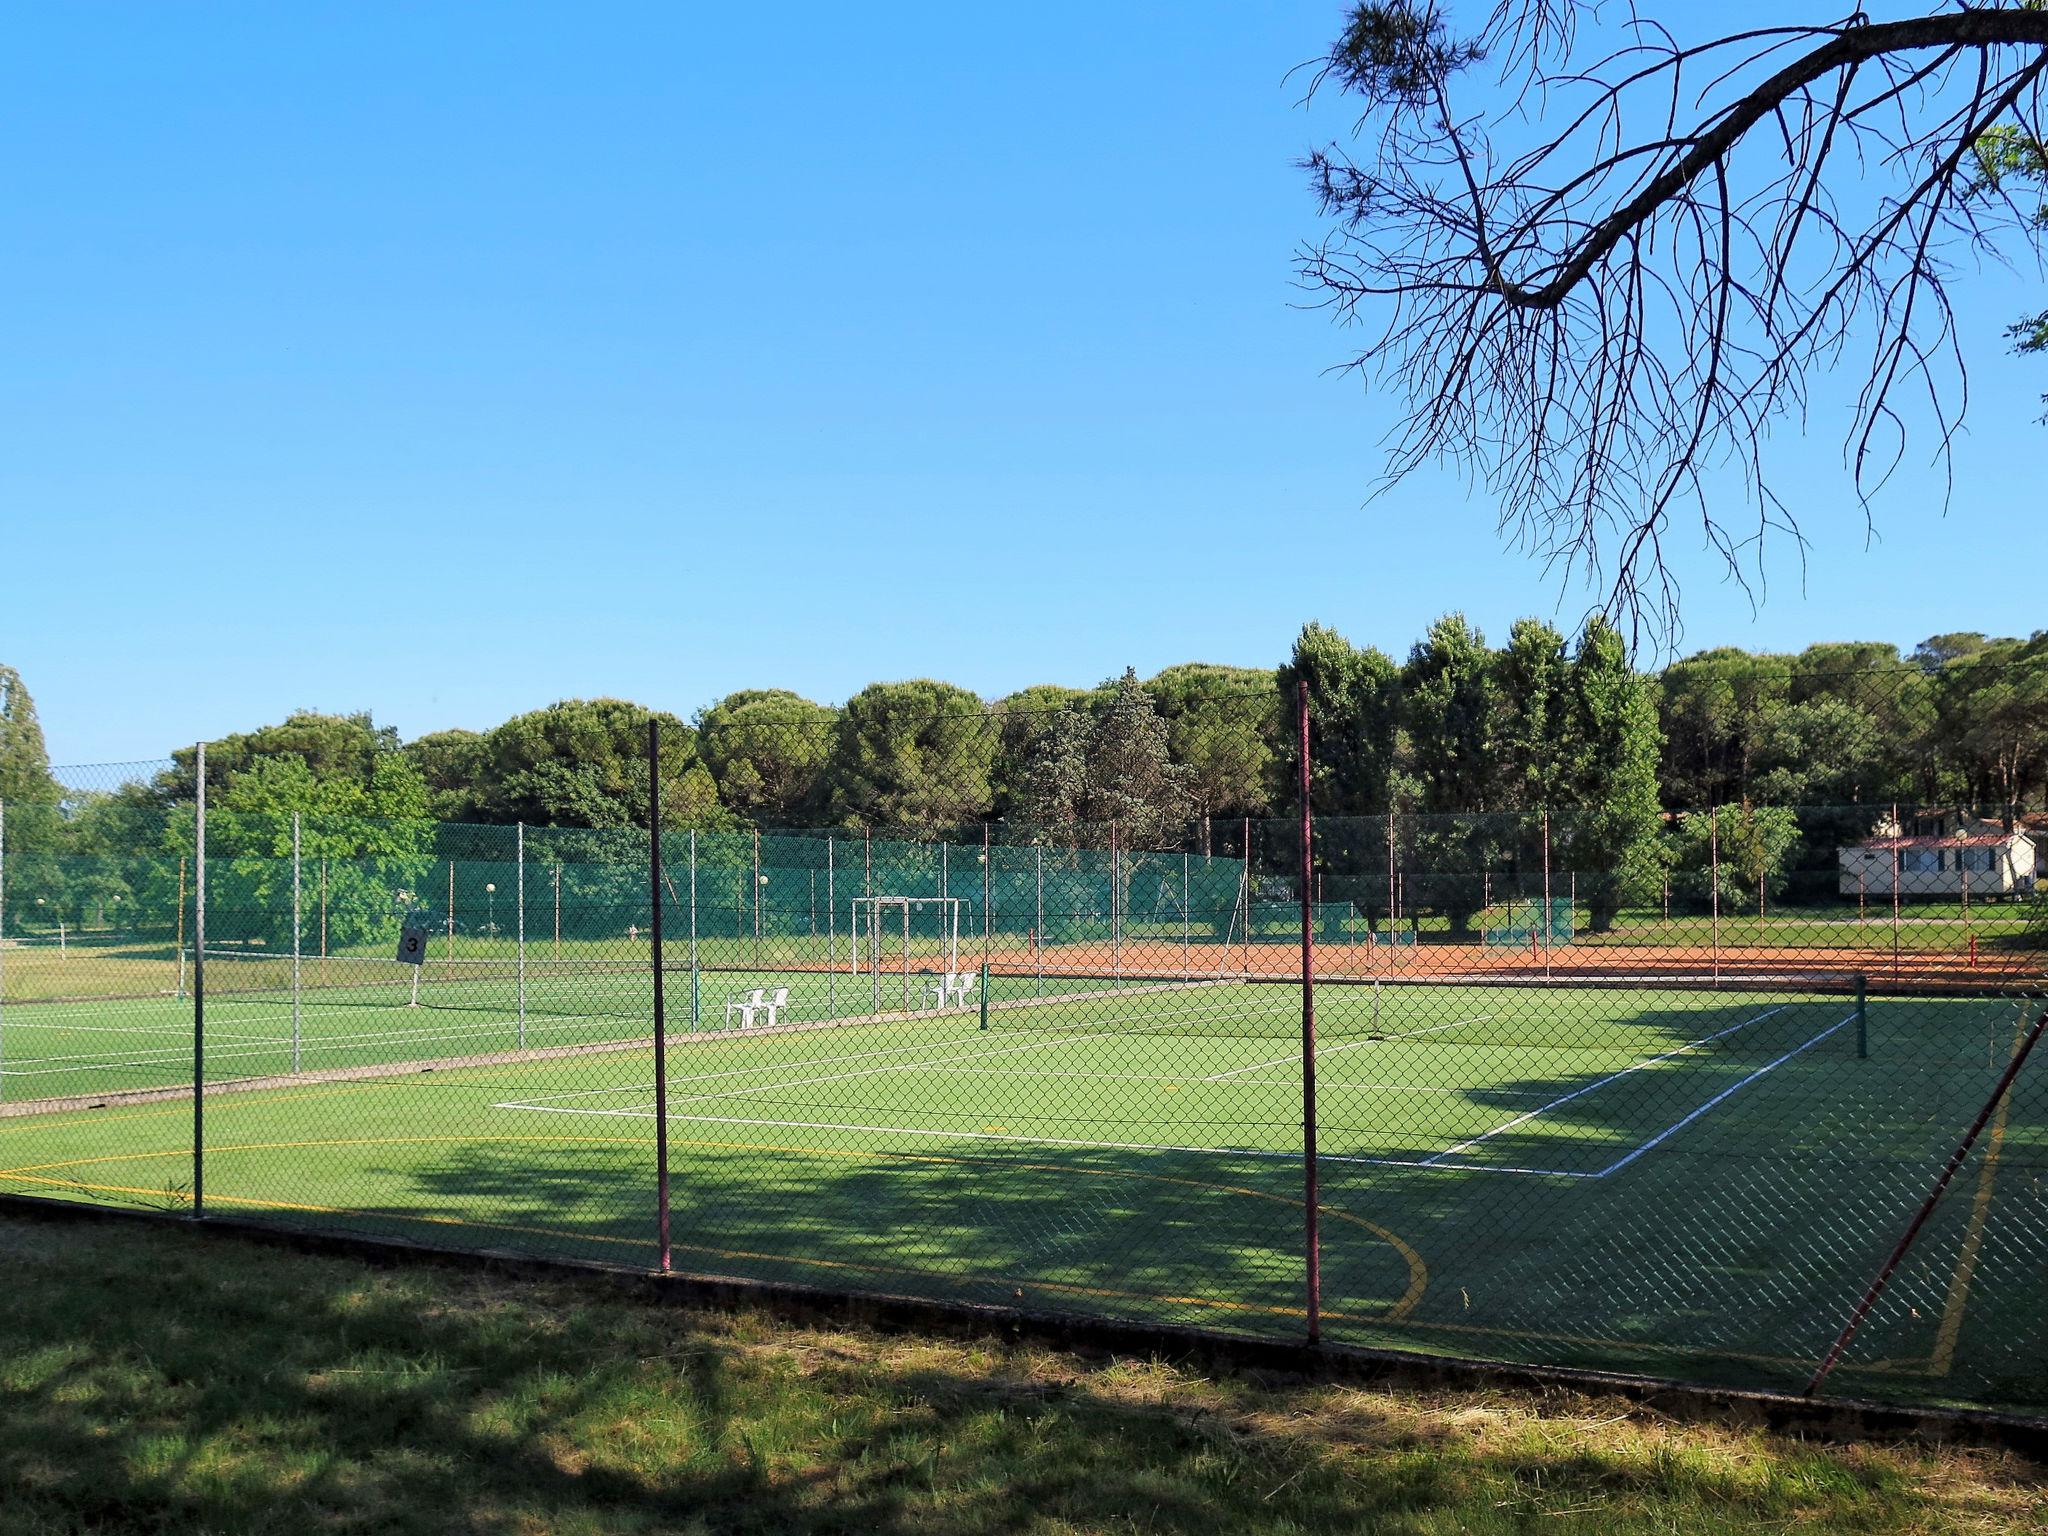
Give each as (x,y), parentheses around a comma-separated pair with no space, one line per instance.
(519,928)
(1310,1195)
(660,1012)
(1862,1017)
(295,941)
(199,984)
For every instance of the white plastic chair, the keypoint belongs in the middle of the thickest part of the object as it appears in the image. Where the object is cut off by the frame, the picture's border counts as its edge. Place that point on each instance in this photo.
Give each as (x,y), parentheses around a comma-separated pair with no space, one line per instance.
(953,987)
(747,1005)
(777,1001)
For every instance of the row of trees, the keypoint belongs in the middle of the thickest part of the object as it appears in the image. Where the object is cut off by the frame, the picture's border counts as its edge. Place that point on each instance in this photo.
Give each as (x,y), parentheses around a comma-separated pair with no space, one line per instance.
(1458,726)
(1545,741)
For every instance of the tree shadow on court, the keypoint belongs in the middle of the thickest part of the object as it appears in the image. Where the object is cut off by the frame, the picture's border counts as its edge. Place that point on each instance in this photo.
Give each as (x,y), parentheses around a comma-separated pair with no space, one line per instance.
(1731,1251)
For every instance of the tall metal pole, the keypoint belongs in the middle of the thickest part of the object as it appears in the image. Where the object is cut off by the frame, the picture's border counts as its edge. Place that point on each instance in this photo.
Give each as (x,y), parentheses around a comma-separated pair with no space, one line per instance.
(1900,831)
(1185,955)
(696,980)
(1714,881)
(519,926)
(1116,882)
(295,941)
(757,898)
(831,930)
(660,1010)
(986,932)
(1392,913)
(1310,1193)
(1038,932)
(1545,925)
(199,986)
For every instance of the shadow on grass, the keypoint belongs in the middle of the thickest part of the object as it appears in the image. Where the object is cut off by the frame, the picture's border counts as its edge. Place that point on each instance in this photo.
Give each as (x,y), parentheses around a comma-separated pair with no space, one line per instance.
(163,1382)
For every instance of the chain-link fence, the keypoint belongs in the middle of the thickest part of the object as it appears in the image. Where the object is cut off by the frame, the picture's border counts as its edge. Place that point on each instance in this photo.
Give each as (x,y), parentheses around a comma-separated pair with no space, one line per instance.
(1134,1026)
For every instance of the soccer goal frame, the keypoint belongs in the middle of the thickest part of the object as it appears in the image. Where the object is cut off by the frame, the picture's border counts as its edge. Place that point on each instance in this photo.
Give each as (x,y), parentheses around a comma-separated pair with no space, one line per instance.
(875,919)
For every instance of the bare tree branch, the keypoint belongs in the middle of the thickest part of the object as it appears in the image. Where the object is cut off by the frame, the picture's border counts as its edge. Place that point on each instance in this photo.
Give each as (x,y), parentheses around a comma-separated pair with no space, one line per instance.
(1601,289)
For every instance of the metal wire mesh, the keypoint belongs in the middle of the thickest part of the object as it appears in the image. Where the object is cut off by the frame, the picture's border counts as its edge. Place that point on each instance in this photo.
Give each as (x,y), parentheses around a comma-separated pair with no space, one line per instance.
(1661,1091)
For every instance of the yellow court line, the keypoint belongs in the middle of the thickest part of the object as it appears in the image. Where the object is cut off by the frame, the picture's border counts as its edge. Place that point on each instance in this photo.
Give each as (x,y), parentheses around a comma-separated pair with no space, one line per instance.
(1418,1271)
(1958,1300)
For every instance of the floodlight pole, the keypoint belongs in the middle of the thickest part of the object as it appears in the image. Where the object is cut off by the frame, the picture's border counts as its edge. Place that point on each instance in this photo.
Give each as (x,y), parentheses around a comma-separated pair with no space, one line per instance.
(660,1011)
(1310,1194)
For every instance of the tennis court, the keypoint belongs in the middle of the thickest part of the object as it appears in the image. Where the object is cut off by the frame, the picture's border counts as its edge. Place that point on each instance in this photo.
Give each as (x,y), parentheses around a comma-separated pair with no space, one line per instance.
(1659,1177)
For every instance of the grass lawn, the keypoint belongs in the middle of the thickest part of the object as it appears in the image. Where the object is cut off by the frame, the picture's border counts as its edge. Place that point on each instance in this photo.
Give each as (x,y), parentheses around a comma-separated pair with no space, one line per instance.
(1687,1183)
(173,1382)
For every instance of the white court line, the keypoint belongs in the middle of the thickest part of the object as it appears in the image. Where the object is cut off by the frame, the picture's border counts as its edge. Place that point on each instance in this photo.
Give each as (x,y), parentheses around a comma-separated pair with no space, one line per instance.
(647,1113)
(900,1066)
(1321,1051)
(766,1066)
(1679,1125)
(14,1027)
(1580,1093)
(170,1055)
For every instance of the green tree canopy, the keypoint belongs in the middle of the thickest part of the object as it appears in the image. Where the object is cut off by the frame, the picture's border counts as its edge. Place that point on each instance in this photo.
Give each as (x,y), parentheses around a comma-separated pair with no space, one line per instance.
(1109,774)
(767,749)
(915,755)
(24,760)
(453,764)
(1222,724)
(583,763)
(1354,701)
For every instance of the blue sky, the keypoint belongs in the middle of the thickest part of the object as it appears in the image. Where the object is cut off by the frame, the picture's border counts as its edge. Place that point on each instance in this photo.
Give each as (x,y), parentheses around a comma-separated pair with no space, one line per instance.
(444,361)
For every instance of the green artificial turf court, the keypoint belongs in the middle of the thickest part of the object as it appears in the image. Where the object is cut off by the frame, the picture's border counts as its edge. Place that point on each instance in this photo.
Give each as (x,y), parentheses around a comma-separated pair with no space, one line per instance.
(1688,1181)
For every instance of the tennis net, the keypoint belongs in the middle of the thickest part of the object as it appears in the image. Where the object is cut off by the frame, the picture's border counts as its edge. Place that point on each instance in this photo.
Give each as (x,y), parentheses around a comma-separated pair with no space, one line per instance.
(569,988)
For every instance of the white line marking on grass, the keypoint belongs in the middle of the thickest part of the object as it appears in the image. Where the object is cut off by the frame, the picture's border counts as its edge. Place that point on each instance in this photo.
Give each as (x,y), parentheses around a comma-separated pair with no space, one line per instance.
(261,1045)
(1322,1051)
(646,1113)
(1580,1093)
(900,1066)
(1679,1125)
(766,1066)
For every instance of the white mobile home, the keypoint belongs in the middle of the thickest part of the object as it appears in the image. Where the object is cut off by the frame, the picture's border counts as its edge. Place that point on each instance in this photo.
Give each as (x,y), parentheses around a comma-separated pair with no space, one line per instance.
(1977,858)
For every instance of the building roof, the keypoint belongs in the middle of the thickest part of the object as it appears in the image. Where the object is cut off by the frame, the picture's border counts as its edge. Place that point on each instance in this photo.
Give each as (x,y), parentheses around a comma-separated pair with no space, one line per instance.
(1959,840)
